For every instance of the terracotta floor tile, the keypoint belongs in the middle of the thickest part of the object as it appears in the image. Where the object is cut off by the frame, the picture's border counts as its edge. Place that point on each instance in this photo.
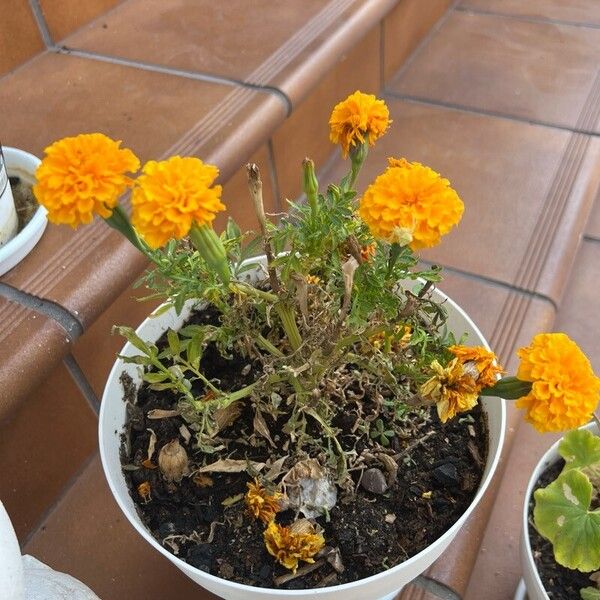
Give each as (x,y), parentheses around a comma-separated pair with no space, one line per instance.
(578,314)
(575,11)
(289,45)
(69,95)
(527,190)
(88,537)
(231,39)
(64,16)
(31,345)
(539,71)
(43,445)
(405,27)
(20,37)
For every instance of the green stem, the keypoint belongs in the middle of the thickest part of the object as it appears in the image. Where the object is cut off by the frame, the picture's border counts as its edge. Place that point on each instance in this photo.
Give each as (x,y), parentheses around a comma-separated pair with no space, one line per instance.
(358,157)
(209,244)
(394,254)
(240,287)
(265,344)
(120,221)
(509,388)
(288,322)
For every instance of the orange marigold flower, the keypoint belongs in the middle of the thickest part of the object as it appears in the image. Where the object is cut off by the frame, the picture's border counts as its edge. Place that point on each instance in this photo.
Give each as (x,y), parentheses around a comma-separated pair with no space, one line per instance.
(358,118)
(484,360)
(410,204)
(565,391)
(260,504)
(81,176)
(289,545)
(313,279)
(171,195)
(453,389)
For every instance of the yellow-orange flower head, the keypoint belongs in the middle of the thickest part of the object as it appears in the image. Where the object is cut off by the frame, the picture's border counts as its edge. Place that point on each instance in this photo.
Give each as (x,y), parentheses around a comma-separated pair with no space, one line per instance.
(82,176)
(410,203)
(171,195)
(260,504)
(484,361)
(565,391)
(289,546)
(357,118)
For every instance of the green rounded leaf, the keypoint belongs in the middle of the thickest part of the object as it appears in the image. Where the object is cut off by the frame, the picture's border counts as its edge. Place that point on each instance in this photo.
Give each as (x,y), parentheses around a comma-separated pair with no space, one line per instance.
(562,515)
(579,448)
(590,593)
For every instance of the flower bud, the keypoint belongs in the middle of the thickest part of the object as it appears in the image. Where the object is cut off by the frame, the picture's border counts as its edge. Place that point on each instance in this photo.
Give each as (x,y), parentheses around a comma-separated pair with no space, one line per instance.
(310,184)
(173,461)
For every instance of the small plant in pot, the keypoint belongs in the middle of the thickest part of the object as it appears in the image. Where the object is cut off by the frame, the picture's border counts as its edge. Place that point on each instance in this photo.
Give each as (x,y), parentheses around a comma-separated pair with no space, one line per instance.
(305,420)
(561,515)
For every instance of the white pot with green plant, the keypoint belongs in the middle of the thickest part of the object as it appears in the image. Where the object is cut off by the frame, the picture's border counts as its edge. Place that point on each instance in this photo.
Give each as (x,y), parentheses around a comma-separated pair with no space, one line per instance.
(308,423)
(560,542)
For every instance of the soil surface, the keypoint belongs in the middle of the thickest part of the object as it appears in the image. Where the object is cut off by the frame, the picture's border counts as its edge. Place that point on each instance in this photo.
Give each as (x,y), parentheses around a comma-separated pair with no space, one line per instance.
(205,522)
(559,582)
(25,202)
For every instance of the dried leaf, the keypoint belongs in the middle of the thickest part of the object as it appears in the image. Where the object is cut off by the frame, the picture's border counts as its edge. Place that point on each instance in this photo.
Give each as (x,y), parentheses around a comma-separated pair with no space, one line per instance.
(229,465)
(159,413)
(151,445)
(202,480)
(224,417)
(232,500)
(185,433)
(260,426)
(148,464)
(275,469)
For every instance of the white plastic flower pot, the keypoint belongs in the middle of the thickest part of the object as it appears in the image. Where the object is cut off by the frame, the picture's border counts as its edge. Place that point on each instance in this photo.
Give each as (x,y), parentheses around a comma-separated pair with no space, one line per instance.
(382,586)
(21,164)
(533,583)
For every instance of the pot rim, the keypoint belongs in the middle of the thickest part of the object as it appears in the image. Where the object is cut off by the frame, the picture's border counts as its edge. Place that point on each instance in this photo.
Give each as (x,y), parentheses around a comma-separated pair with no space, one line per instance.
(37,224)
(550,457)
(492,462)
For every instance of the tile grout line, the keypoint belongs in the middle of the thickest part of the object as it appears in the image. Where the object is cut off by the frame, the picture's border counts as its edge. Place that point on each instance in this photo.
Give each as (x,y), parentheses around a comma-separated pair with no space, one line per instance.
(38,15)
(69,322)
(525,18)
(194,75)
(485,112)
(509,287)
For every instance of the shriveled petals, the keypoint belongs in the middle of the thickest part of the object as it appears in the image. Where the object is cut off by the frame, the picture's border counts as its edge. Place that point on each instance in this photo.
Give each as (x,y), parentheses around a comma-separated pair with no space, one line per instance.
(260,504)
(358,117)
(565,391)
(289,547)
(484,360)
(411,203)
(82,176)
(171,195)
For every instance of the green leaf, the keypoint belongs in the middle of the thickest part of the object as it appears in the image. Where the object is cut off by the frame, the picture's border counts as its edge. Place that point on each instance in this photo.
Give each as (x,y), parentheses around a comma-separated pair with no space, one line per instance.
(135,360)
(562,515)
(194,351)
(155,377)
(509,388)
(579,448)
(174,344)
(133,338)
(590,593)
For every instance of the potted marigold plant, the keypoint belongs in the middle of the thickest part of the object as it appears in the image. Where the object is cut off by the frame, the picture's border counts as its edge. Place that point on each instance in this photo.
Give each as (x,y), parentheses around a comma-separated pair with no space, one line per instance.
(304,423)
(560,544)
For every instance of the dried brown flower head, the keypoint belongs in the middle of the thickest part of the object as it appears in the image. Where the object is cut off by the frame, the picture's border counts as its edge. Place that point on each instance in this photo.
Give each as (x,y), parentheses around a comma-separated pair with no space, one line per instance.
(173,461)
(289,545)
(260,504)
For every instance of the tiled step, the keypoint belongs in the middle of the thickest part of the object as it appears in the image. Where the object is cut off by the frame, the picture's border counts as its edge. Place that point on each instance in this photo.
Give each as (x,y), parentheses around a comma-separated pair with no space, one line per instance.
(497,569)
(540,72)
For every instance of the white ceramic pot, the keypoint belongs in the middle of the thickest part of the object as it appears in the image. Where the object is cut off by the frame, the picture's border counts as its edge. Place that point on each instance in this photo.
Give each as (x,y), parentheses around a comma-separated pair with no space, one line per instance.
(22,164)
(382,586)
(533,583)
(8,214)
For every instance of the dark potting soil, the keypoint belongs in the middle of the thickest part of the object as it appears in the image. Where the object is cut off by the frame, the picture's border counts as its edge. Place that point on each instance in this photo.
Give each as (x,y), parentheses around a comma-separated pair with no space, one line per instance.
(559,582)
(205,523)
(25,202)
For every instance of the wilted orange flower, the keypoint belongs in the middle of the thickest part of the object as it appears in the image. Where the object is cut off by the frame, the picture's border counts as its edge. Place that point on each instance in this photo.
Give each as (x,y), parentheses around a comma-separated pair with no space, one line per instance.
(290,547)
(144,490)
(565,391)
(82,176)
(452,389)
(260,504)
(410,204)
(357,118)
(313,280)
(368,252)
(398,339)
(171,195)
(484,360)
